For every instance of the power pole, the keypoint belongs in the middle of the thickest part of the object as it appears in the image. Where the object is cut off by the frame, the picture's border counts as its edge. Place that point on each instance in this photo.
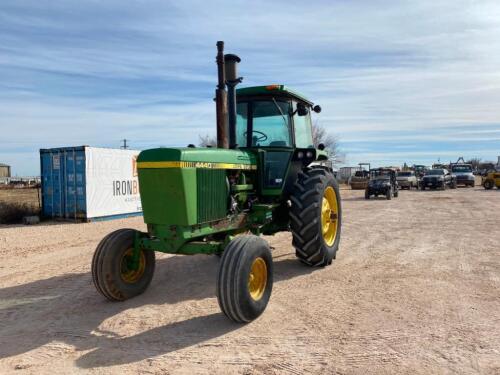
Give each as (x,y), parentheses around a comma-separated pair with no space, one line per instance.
(124,147)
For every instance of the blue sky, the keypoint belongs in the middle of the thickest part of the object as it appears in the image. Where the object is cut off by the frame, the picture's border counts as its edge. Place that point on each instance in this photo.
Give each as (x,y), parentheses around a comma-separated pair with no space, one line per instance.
(399,81)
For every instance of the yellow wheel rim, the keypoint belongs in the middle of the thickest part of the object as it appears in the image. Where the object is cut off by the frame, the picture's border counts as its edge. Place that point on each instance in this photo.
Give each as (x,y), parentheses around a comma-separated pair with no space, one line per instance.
(257,280)
(329,216)
(128,274)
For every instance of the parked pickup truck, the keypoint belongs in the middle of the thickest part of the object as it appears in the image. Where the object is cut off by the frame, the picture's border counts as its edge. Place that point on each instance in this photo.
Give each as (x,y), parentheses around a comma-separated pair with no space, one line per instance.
(463,174)
(438,178)
(406,179)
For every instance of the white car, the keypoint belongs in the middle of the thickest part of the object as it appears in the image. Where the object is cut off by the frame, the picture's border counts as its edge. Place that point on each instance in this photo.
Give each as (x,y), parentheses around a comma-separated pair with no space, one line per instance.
(407,179)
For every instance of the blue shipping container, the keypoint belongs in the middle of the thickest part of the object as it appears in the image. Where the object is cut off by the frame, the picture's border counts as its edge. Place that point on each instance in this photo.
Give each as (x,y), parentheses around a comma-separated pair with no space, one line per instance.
(76,182)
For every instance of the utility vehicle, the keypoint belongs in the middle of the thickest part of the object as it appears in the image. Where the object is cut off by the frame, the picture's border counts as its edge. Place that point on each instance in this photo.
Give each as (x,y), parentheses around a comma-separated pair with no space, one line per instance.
(382,182)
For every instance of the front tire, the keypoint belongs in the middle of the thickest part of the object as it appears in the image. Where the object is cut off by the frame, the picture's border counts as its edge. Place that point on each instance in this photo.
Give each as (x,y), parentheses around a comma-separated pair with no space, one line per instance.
(245,278)
(113,273)
(316,217)
(488,184)
(388,194)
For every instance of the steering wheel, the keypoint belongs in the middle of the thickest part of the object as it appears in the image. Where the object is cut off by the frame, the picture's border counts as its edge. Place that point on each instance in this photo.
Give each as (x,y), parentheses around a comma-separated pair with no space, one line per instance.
(261,138)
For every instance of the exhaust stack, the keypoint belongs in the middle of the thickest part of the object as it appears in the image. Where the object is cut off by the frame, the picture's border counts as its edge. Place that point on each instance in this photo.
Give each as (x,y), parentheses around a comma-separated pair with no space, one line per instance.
(221,98)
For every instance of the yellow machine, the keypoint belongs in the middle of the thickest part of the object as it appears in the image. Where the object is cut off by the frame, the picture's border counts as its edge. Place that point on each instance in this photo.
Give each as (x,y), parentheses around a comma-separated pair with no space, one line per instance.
(491,179)
(360,179)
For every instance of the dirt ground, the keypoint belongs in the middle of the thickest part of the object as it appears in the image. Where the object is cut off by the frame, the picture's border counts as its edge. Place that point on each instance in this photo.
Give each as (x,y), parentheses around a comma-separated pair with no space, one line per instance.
(415,289)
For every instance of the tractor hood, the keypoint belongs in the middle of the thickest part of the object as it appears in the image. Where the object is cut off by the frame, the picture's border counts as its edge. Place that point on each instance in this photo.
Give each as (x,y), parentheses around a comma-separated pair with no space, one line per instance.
(187,186)
(187,157)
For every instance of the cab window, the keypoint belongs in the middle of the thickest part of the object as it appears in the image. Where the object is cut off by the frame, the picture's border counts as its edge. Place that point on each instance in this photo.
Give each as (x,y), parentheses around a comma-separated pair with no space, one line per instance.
(303,129)
(271,124)
(241,123)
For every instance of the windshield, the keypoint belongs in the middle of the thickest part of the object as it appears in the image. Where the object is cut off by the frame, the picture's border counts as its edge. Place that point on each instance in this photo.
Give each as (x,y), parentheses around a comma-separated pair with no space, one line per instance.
(380,175)
(461,168)
(405,174)
(271,124)
(434,172)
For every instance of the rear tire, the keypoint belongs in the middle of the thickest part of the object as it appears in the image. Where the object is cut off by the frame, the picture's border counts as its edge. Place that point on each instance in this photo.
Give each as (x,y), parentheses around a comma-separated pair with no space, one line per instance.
(316,217)
(367,194)
(245,278)
(111,273)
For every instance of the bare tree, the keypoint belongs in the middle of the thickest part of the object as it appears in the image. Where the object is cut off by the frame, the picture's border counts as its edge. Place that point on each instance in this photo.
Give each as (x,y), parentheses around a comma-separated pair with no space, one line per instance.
(207,140)
(331,142)
(474,162)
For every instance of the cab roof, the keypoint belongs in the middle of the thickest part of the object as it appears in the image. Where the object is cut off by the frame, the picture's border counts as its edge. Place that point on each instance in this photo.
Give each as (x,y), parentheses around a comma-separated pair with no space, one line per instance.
(272,89)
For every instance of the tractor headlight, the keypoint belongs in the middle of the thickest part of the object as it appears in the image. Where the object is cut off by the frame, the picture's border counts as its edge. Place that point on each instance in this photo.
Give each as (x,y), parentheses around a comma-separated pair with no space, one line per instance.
(309,154)
(300,154)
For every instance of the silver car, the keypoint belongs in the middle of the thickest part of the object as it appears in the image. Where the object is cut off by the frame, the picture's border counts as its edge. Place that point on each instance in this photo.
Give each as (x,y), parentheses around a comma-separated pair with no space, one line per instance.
(463,173)
(406,180)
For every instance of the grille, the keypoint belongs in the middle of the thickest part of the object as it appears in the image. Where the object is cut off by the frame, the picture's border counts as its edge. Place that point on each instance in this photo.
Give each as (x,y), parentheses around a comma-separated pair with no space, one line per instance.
(212,194)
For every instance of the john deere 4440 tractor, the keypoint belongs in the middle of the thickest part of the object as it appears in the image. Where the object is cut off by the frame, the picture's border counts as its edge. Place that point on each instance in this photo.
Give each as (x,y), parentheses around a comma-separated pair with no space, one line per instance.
(264,177)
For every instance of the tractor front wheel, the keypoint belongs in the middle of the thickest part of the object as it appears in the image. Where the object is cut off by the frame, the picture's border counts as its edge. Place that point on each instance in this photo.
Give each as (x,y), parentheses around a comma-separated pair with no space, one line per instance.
(316,216)
(245,278)
(118,273)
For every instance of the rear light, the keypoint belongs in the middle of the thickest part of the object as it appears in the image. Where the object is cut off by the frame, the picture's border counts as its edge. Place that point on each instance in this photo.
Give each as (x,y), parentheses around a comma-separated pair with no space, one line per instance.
(273,87)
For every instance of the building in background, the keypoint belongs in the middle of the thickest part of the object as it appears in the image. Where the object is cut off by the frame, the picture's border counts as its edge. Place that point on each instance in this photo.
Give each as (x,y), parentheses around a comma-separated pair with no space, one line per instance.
(4,170)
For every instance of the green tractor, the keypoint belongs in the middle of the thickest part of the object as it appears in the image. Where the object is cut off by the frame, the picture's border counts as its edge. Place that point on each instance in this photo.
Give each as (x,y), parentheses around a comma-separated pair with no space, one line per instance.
(264,177)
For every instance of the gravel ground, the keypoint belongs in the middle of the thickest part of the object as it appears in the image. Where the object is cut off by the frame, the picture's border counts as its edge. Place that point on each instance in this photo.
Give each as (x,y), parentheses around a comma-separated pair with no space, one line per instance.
(415,289)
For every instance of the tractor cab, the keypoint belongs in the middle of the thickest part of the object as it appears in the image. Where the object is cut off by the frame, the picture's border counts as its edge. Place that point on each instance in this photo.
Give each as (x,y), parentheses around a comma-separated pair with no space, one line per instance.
(275,122)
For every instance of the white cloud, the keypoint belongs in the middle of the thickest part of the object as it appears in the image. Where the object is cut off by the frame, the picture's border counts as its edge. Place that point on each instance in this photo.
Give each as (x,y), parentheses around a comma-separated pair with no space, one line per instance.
(80,72)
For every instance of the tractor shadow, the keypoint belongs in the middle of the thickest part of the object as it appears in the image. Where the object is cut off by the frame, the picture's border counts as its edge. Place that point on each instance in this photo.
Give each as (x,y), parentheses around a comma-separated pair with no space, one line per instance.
(68,309)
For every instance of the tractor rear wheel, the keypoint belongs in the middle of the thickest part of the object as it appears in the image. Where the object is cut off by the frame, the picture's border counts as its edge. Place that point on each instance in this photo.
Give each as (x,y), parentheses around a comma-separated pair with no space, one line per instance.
(114,273)
(245,278)
(316,216)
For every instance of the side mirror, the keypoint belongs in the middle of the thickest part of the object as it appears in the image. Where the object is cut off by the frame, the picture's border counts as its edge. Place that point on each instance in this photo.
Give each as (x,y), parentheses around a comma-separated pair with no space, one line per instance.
(302,110)
(317,109)
(321,146)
